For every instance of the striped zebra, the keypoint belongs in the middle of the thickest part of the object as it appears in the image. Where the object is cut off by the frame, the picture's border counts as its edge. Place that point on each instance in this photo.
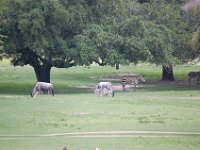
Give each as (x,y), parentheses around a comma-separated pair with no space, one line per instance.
(192,75)
(132,80)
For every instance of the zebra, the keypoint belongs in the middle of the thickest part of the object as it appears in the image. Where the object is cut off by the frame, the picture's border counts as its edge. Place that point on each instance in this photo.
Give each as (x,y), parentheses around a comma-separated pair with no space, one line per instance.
(104,89)
(193,75)
(65,148)
(132,80)
(42,86)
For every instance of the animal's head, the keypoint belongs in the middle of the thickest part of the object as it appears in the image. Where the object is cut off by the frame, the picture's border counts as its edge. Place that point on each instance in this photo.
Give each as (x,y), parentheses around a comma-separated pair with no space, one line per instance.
(33,93)
(141,79)
(64,148)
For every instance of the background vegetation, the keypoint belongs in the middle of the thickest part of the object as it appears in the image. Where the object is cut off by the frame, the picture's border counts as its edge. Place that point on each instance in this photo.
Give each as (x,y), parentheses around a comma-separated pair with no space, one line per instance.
(65,33)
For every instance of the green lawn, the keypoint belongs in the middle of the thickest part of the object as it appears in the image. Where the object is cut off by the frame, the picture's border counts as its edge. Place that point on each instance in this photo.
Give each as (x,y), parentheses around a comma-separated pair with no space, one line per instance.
(120,143)
(155,106)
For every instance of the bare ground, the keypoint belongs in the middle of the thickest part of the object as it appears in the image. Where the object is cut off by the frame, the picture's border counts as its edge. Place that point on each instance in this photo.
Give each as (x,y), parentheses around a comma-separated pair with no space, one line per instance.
(105,134)
(118,87)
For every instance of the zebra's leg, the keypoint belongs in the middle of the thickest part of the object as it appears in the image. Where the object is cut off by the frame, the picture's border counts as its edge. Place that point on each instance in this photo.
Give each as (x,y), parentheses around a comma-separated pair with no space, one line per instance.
(134,87)
(105,92)
(97,92)
(198,80)
(113,93)
(100,92)
(123,86)
(50,91)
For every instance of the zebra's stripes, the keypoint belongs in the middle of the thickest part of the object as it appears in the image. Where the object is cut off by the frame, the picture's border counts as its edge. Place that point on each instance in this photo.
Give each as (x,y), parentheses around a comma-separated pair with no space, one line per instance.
(132,80)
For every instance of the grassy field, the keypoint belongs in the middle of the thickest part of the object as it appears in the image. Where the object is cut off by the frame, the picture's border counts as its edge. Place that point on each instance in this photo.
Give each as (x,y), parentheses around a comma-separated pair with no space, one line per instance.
(39,123)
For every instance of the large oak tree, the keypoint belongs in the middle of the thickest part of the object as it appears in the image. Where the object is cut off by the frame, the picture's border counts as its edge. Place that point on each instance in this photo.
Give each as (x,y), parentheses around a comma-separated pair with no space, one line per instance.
(36,36)
(63,33)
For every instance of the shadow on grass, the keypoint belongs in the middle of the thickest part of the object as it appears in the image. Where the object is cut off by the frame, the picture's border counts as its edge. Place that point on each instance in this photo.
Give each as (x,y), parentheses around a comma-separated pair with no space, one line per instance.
(25,89)
(72,90)
(169,86)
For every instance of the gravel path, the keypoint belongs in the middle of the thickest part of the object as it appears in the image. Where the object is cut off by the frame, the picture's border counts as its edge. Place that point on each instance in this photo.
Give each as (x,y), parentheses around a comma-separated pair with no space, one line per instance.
(105,134)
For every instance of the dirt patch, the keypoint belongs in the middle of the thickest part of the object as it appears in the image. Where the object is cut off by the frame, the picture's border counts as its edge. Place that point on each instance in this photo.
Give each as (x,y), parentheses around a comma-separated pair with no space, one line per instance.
(115,79)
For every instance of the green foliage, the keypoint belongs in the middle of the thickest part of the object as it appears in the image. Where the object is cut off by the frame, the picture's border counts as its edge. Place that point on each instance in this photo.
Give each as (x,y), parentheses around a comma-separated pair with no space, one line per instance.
(3,8)
(3,11)
(36,26)
(194,6)
(1,44)
(96,44)
(64,33)
(153,27)
(165,17)
(195,42)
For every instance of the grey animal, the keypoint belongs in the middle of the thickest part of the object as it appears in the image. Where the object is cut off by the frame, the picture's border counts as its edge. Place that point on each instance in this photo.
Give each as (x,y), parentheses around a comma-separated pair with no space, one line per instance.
(41,87)
(104,89)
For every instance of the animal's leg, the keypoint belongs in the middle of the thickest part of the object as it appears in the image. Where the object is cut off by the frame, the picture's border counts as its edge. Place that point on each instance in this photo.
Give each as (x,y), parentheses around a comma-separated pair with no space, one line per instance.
(123,86)
(51,92)
(134,87)
(97,92)
(101,92)
(113,93)
(105,92)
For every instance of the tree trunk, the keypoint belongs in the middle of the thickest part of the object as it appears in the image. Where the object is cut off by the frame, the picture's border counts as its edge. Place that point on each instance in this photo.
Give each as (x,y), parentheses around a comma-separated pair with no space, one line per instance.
(117,66)
(167,73)
(43,73)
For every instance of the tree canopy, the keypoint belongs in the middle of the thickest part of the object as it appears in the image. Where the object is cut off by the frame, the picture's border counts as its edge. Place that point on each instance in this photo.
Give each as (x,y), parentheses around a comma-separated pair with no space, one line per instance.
(64,33)
(192,9)
(3,11)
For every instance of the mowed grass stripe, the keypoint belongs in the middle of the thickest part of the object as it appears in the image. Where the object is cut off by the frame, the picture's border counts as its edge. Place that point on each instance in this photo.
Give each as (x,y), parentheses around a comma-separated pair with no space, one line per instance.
(106,134)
